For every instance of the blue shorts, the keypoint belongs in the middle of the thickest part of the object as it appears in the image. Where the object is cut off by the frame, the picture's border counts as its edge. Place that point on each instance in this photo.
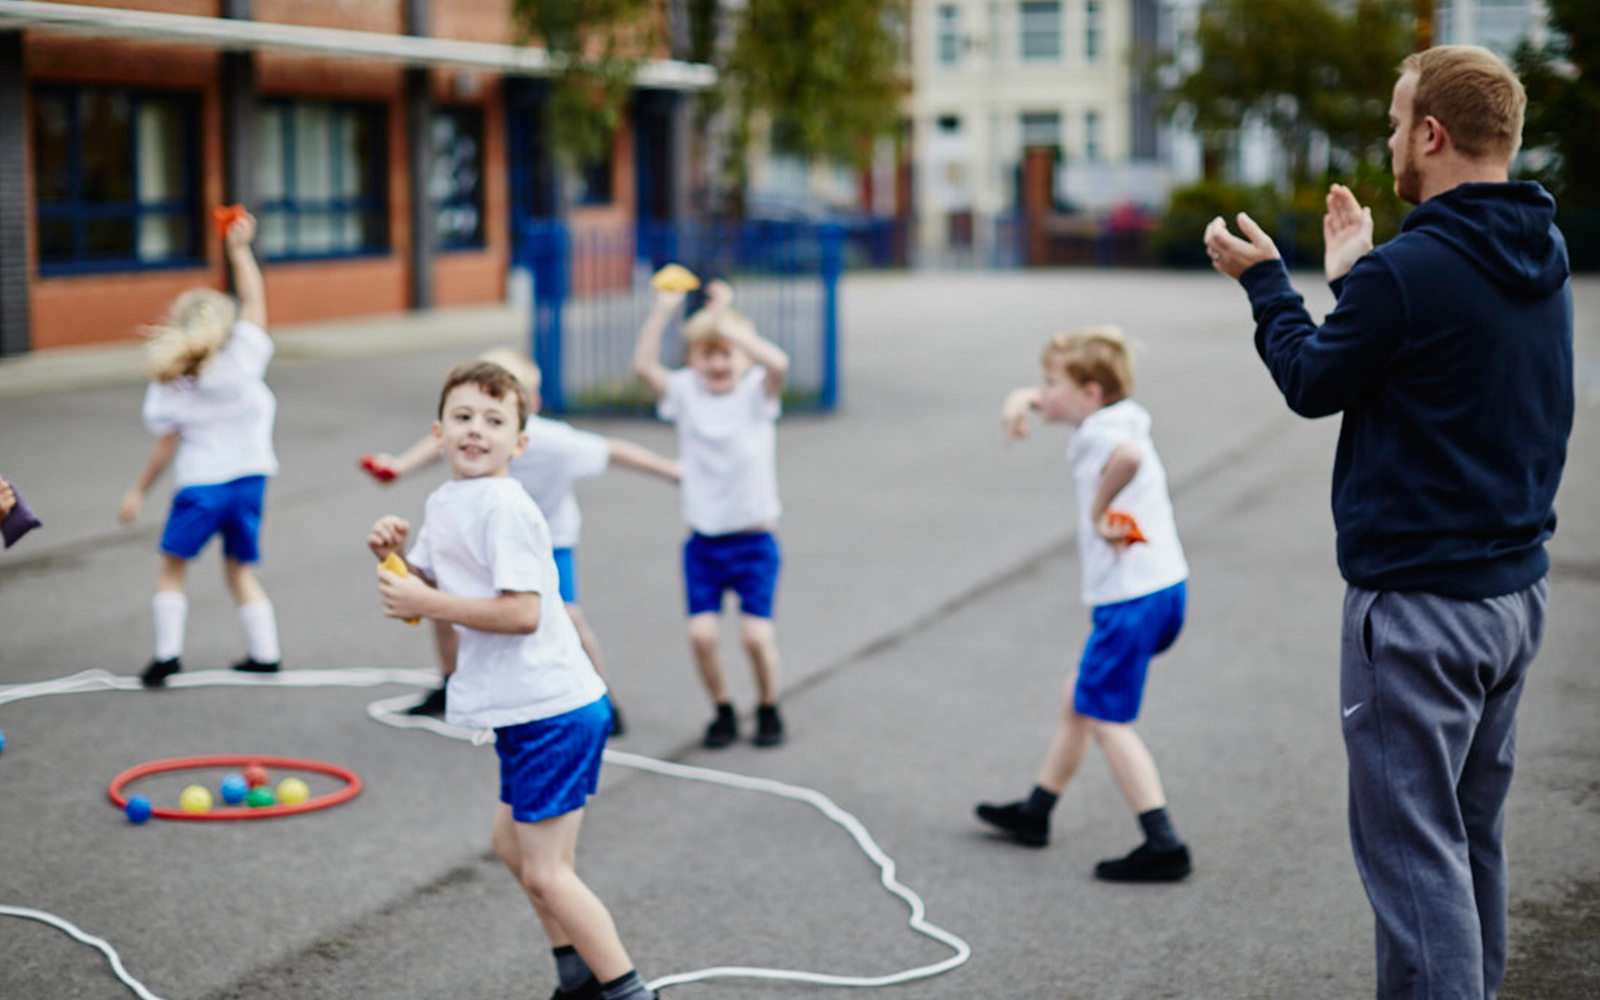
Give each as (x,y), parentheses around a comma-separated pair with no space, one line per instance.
(550,767)
(746,563)
(567,571)
(232,508)
(1117,654)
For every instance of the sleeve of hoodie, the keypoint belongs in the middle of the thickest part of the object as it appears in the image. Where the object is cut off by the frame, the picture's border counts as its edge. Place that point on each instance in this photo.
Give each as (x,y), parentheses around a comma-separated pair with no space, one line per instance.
(1321,370)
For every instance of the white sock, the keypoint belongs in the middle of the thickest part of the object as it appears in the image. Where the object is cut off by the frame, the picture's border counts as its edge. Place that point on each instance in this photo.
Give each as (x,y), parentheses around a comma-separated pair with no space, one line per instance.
(260,630)
(170,608)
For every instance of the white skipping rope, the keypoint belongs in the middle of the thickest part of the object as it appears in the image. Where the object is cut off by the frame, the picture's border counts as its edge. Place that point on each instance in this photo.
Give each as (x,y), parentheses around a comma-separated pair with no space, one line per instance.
(390,712)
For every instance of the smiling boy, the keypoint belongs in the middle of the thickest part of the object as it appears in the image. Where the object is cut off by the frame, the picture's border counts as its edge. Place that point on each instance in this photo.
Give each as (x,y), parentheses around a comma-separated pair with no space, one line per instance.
(482,562)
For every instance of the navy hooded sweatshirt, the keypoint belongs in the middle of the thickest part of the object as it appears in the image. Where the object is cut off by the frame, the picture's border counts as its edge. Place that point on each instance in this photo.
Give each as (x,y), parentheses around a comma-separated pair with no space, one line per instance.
(1449,353)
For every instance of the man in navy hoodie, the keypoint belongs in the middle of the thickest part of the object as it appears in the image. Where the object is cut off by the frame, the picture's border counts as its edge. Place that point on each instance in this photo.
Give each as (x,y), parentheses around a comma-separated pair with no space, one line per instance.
(1449,353)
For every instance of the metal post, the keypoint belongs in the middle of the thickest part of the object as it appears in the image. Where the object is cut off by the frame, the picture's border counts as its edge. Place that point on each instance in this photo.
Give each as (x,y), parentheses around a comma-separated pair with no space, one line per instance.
(831,243)
(419,161)
(548,248)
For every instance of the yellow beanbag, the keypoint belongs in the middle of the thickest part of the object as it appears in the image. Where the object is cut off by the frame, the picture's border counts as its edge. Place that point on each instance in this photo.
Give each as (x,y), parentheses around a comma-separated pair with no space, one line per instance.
(675,278)
(394,564)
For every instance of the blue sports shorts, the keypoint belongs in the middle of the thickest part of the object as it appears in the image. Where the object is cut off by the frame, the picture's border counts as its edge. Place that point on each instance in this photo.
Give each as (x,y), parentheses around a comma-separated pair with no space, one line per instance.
(550,767)
(1117,655)
(567,571)
(232,508)
(746,563)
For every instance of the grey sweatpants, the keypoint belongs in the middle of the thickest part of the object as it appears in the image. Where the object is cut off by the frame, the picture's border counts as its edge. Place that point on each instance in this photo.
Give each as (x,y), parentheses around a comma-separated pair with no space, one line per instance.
(1430,687)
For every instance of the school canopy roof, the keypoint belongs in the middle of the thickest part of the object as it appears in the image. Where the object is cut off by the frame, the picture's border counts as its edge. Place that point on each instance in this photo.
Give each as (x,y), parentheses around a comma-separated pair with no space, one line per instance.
(231,35)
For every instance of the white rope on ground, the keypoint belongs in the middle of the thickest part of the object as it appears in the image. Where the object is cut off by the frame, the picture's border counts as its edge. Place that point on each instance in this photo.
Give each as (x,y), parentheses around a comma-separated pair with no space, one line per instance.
(390,712)
(89,939)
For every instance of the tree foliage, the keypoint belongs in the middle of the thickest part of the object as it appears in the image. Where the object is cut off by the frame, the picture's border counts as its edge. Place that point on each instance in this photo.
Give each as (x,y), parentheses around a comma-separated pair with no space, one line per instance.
(597,47)
(1564,103)
(1301,67)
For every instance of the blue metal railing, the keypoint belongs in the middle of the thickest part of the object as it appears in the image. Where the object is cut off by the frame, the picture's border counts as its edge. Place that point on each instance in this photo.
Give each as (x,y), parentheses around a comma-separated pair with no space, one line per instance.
(591,293)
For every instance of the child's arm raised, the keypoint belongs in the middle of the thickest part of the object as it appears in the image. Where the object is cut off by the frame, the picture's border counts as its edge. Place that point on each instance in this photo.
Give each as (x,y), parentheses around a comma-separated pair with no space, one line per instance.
(247,281)
(647,352)
(160,455)
(1014,414)
(762,351)
(386,468)
(1119,470)
(636,456)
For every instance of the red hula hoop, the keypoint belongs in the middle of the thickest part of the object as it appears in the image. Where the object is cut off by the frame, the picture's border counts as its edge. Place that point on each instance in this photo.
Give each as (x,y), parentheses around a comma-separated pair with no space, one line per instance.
(351,789)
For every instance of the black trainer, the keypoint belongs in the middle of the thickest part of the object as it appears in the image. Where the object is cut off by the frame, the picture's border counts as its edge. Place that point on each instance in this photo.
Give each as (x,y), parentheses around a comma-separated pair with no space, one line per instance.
(250,665)
(724,729)
(156,674)
(590,990)
(1147,865)
(432,706)
(769,726)
(617,727)
(1018,822)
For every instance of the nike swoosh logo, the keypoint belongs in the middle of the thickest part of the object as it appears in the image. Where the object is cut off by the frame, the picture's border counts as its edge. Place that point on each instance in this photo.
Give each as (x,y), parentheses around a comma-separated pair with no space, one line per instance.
(1353,709)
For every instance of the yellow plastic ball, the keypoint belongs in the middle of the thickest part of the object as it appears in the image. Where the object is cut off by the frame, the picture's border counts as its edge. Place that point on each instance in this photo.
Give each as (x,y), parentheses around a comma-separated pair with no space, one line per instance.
(195,799)
(292,791)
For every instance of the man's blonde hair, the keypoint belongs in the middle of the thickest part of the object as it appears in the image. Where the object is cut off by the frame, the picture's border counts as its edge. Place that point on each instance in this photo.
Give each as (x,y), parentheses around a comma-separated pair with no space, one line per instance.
(495,381)
(1473,94)
(1097,354)
(194,330)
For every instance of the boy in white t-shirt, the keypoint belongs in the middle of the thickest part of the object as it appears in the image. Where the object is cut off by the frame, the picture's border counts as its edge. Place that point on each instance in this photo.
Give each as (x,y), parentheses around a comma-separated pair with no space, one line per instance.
(1133,579)
(211,410)
(557,456)
(482,563)
(725,404)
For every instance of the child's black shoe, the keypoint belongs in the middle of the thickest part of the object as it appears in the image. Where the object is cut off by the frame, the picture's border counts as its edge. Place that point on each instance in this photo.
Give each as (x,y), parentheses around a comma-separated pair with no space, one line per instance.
(769,726)
(1147,865)
(590,990)
(250,665)
(617,727)
(432,706)
(1020,823)
(156,674)
(724,729)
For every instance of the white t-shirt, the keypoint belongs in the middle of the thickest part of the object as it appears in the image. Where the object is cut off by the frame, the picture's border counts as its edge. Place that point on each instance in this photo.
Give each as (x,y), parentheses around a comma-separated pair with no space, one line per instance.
(727,445)
(480,537)
(557,455)
(223,417)
(1121,573)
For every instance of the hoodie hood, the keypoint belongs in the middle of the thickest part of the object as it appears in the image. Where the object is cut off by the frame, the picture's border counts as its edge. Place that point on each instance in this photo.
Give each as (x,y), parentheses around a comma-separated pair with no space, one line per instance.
(1506,230)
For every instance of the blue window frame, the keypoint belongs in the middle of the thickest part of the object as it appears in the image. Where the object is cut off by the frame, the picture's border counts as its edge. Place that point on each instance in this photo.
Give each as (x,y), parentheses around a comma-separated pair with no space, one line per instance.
(455,185)
(320,171)
(115,179)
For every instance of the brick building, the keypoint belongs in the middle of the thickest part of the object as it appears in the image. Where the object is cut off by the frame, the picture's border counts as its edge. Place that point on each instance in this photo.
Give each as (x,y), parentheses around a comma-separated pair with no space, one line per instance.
(388,148)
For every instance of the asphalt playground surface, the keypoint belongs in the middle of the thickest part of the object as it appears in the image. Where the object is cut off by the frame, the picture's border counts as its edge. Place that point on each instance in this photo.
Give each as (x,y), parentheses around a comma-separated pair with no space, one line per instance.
(928,615)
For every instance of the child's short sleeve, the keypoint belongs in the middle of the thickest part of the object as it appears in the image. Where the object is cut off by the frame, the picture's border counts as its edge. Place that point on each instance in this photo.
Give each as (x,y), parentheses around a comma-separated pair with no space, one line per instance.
(517,542)
(421,555)
(250,347)
(1092,445)
(159,419)
(755,385)
(679,383)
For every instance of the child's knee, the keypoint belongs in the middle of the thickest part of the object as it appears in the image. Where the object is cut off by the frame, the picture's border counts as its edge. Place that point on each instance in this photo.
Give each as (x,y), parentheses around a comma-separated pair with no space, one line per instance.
(703,631)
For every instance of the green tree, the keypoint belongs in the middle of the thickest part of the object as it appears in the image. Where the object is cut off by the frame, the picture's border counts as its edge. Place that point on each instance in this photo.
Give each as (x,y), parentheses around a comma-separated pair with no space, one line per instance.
(1560,132)
(1302,67)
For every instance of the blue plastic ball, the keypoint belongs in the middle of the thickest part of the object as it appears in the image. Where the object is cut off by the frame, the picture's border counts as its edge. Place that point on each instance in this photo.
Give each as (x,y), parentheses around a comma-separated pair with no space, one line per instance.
(138,809)
(234,788)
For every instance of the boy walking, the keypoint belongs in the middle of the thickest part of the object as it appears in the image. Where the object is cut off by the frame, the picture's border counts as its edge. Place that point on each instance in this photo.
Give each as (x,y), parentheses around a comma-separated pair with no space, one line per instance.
(1133,579)
(725,403)
(482,563)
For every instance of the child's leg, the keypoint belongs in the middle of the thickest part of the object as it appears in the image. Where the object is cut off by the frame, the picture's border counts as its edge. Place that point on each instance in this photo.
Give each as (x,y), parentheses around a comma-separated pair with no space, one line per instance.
(1069,744)
(169,607)
(541,856)
(761,645)
(255,614)
(1131,764)
(703,640)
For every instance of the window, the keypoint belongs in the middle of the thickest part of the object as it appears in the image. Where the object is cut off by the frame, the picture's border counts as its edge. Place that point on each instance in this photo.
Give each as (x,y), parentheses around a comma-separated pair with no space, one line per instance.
(1091,30)
(114,179)
(1041,128)
(455,187)
(949,29)
(594,182)
(1041,30)
(320,177)
(1091,136)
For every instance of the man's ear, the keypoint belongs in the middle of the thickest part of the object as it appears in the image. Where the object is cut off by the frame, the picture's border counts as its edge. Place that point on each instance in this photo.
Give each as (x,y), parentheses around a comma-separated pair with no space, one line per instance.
(1434,135)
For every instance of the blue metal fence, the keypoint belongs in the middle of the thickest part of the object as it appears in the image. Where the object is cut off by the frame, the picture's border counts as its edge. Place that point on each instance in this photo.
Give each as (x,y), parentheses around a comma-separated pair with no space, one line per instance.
(591,293)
